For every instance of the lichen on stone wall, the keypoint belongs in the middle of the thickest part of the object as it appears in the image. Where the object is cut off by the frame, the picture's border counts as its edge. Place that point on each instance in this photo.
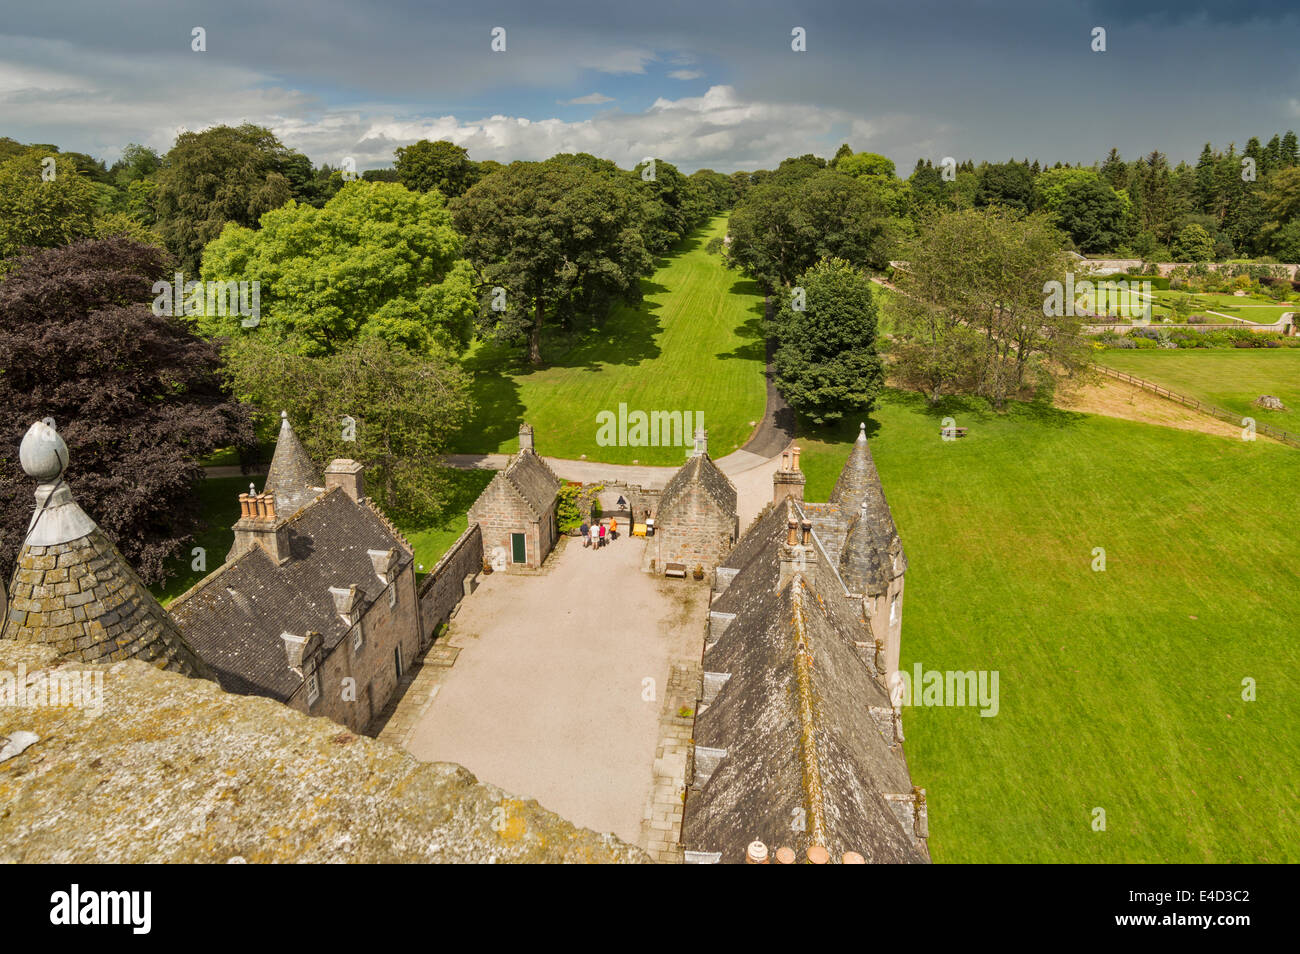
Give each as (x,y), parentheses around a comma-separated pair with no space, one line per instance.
(172,769)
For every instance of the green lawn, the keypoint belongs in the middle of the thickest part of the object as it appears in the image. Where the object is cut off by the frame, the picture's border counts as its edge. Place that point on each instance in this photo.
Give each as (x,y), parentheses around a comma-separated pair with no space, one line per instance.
(219,504)
(1119,689)
(1228,307)
(1232,378)
(695,344)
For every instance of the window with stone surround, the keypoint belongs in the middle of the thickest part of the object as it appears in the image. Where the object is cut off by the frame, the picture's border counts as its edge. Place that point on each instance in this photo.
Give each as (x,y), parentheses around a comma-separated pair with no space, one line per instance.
(313,689)
(358,637)
(392,594)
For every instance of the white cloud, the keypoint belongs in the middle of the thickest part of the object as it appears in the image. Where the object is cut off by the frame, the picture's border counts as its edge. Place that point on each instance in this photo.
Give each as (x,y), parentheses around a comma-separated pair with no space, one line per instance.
(617,61)
(591,99)
(686,74)
(97,102)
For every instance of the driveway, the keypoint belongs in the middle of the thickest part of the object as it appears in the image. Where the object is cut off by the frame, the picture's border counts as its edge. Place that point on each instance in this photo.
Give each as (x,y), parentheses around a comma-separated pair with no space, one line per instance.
(547,697)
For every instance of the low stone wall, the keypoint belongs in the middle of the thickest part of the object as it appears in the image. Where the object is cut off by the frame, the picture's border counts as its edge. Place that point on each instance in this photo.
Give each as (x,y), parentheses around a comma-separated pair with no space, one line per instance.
(1285,326)
(1164,268)
(444,588)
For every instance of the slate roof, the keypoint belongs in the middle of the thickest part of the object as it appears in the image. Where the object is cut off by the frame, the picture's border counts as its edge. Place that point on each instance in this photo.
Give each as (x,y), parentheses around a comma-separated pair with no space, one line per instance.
(793,717)
(292,477)
(235,616)
(702,471)
(79,595)
(534,481)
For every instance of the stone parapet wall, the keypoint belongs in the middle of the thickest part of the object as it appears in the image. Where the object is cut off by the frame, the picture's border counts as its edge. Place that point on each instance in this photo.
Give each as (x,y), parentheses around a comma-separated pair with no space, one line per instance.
(172,770)
(444,587)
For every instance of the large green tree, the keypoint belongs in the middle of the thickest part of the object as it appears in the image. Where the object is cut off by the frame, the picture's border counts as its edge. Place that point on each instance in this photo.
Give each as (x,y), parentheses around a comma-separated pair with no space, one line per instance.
(973,315)
(376,261)
(826,360)
(403,409)
(781,228)
(553,241)
(211,178)
(440,165)
(44,202)
(135,394)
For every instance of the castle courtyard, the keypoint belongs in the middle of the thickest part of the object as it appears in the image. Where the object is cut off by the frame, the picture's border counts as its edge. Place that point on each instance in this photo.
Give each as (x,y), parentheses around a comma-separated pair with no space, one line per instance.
(549,695)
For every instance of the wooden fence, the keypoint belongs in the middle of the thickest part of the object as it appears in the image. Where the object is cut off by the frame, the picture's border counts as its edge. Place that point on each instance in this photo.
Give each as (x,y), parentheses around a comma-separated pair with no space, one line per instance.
(1286,437)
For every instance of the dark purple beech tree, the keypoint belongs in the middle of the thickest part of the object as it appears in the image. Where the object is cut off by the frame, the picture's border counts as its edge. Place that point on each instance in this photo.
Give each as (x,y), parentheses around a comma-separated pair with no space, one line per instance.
(137,396)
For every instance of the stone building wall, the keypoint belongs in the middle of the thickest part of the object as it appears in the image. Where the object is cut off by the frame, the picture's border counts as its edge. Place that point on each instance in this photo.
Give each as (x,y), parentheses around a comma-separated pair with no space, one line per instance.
(694,530)
(373,667)
(500,511)
(444,587)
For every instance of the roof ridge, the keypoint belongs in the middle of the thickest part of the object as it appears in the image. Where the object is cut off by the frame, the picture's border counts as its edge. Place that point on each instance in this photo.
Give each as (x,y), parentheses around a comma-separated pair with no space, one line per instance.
(809,763)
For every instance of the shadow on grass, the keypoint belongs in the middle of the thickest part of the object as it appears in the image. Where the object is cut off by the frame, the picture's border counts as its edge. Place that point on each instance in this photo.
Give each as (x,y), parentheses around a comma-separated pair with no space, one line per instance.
(753,331)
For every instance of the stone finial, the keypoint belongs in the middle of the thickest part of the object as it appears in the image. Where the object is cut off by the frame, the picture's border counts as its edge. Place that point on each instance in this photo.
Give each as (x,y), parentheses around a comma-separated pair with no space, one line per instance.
(701,441)
(862,431)
(43,453)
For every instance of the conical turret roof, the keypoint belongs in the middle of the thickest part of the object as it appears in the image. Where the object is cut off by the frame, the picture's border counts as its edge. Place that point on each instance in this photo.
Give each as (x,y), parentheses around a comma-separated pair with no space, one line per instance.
(74,590)
(292,477)
(872,554)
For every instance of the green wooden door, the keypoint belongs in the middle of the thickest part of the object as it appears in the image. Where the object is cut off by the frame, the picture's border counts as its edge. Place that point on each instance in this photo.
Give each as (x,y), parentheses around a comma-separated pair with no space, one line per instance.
(518,552)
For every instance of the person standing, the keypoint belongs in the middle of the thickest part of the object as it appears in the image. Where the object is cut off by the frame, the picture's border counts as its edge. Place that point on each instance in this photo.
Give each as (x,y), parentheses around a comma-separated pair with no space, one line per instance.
(586,536)
(602,534)
(613,528)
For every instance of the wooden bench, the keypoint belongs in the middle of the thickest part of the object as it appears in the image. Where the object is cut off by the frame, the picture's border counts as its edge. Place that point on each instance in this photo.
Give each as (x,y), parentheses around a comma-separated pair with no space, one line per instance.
(675,569)
(955,431)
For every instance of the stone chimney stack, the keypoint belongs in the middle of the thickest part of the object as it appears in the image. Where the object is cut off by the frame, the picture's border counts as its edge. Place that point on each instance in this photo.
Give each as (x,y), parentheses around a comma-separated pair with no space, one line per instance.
(259,525)
(701,441)
(798,554)
(526,439)
(789,480)
(346,474)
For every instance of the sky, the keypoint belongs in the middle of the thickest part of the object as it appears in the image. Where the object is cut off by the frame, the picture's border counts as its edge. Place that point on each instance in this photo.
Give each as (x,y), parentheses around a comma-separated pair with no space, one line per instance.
(708,83)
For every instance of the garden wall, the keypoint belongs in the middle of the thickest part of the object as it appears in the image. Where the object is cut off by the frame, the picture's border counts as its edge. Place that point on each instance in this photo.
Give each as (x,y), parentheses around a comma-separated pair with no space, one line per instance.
(444,588)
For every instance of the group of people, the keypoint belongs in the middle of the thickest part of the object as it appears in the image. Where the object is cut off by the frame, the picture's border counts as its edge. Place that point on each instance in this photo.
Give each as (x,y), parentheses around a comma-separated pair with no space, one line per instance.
(596,534)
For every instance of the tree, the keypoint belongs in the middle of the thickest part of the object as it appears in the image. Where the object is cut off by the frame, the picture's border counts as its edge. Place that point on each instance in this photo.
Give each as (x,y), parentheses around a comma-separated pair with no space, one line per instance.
(971,317)
(1089,211)
(668,205)
(1006,184)
(440,165)
(38,211)
(376,261)
(136,395)
(1193,245)
(559,240)
(405,406)
(866,164)
(826,361)
(224,174)
(780,229)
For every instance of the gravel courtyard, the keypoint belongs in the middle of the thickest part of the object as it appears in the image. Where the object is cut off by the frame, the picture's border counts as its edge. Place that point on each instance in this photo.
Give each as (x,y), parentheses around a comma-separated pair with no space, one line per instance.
(547,697)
